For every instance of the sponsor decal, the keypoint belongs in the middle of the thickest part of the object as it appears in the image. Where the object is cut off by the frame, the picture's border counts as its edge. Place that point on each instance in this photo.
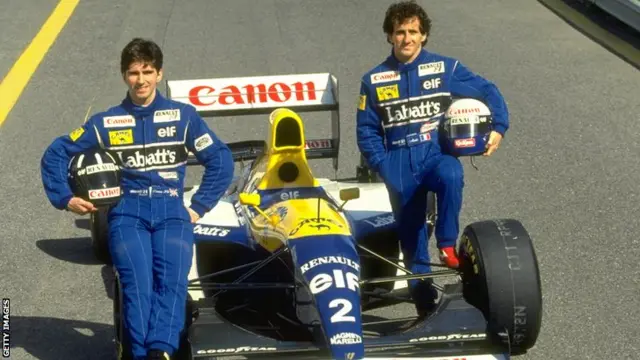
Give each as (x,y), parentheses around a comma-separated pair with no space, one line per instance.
(290,195)
(280,211)
(428,127)
(75,134)
(464,143)
(413,139)
(388,92)
(317,144)
(385,76)
(329,260)
(318,223)
(431,84)
(470,252)
(380,221)
(104,193)
(121,137)
(345,338)
(161,157)
(340,279)
(466,120)
(464,111)
(240,349)
(168,175)
(92,169)
(162,116)
(203,142)
(169,131)
(119,121)
(278,92)
(410,111)
(431,68)
(450,337)
(210,230)
(362,102)
(238,208)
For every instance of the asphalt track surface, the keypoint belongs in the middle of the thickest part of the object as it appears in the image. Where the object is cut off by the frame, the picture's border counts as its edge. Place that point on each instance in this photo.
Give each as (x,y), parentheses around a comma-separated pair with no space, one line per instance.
(567,169)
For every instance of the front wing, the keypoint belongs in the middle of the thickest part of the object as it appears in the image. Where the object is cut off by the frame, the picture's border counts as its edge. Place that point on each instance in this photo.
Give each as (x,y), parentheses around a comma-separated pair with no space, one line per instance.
(456,330)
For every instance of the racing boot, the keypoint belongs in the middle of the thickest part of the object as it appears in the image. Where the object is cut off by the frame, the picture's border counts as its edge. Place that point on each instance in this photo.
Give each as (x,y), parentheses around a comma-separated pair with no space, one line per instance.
(449,257)
(157,355)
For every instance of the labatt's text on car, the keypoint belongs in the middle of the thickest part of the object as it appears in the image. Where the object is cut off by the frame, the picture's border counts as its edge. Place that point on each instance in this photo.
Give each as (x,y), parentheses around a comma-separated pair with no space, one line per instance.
(258,93)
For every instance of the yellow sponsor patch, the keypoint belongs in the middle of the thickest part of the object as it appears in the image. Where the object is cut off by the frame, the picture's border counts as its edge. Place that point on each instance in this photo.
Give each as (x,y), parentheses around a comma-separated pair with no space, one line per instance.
(121,137)
(388,92)
(75,134)
(362,104)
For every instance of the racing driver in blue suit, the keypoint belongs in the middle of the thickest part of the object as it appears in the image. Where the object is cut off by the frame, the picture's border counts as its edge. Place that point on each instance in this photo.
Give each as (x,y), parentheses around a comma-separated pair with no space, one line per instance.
(150,230)
(402,101)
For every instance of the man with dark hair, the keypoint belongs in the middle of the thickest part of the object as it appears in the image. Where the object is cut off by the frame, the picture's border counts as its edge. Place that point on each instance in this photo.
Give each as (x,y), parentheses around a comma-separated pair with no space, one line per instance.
(402,101)
(150,230)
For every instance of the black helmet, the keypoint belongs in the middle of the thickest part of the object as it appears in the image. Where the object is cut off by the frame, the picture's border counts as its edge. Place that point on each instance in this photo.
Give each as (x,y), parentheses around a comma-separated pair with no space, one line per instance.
(94,175)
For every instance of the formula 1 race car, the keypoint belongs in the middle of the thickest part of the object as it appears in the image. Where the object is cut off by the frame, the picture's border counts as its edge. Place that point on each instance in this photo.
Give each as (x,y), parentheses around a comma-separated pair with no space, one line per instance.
(287,264)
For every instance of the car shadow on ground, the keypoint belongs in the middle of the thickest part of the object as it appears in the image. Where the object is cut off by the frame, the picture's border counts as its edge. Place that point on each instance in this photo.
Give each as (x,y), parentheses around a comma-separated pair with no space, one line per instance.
(78,251)
(49,338)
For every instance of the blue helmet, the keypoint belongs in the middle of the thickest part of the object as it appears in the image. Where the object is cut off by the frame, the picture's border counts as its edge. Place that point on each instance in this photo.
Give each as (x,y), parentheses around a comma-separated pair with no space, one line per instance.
(466,128)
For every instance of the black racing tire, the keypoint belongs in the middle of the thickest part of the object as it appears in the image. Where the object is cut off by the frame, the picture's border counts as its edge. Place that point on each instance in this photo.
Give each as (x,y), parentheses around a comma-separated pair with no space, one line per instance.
(123,346)
(501,278)
(100,235)
(431,213)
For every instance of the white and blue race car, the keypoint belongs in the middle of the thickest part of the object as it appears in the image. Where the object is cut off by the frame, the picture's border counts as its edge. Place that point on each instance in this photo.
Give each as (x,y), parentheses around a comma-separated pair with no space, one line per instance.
(286,264)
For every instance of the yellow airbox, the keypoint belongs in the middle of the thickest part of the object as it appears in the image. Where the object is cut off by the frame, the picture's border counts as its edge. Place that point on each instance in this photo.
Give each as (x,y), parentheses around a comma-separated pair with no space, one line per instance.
(286,160)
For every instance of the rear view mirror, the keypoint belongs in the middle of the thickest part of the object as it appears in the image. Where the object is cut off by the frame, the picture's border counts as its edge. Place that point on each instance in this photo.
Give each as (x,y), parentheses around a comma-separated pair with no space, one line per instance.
(254,201)
(349,194)
(249,199)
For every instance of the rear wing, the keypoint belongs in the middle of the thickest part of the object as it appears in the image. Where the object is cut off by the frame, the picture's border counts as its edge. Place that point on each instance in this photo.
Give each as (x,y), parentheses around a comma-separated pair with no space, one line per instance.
(261,95)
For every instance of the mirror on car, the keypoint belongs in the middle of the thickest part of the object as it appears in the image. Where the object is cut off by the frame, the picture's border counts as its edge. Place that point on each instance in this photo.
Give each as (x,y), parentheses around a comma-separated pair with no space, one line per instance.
(249,199)
(349,193)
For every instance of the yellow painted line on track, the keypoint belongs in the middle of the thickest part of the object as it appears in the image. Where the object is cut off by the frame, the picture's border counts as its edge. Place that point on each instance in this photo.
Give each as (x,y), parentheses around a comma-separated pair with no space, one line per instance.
(12,86)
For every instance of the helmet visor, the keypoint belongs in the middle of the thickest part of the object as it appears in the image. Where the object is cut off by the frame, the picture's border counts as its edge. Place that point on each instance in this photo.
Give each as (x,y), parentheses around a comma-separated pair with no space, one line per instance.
(468,126)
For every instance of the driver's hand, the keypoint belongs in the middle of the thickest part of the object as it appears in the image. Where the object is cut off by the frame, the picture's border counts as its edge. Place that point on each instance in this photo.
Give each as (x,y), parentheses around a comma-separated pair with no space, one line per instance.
(494,143)
(194,215)
(80,206)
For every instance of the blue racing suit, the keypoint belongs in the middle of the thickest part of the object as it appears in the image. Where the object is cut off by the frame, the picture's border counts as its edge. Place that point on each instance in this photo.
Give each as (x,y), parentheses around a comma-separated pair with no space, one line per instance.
(150,231)
(398,119)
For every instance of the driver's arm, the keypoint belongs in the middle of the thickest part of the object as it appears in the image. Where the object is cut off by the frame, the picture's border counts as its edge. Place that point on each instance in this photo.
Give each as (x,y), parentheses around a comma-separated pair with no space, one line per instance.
(465,83)
(369,132)
(55,161)
(216,158)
